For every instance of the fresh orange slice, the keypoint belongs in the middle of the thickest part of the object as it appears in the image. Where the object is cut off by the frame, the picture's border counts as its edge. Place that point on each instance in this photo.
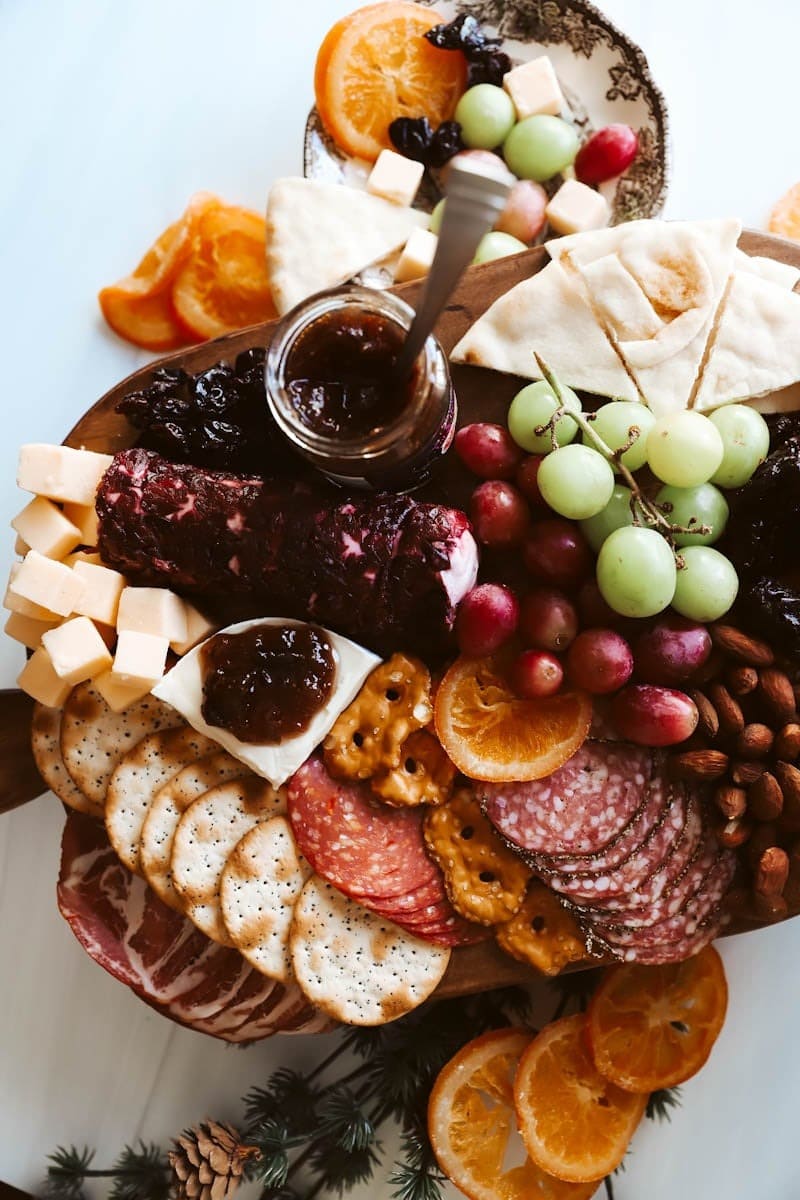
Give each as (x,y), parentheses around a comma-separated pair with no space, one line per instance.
(574,1122)
(224,284)
(785,216)
(492,735)
(144,319)
(375,66)
(170,250)
(471,1123)
(654,1027)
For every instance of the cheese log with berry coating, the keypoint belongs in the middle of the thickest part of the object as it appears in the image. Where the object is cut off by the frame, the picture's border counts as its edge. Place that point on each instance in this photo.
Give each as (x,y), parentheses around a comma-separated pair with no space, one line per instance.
(385,570)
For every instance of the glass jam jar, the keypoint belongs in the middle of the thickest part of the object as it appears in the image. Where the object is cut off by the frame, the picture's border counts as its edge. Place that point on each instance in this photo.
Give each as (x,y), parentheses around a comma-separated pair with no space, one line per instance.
(334,393)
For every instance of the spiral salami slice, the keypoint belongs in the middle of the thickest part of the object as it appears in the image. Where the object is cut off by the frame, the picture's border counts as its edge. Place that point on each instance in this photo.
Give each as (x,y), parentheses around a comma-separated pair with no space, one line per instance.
(675,952)
(578,809)
(374,854)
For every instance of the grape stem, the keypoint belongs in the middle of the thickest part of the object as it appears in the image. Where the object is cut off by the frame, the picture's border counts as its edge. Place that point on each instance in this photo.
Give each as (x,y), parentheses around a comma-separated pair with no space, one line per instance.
(649,513)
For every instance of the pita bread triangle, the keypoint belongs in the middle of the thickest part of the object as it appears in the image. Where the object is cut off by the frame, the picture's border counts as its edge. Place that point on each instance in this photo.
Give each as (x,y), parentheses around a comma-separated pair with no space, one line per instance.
(547,314)
(682,269)
(322,234)
(757,344)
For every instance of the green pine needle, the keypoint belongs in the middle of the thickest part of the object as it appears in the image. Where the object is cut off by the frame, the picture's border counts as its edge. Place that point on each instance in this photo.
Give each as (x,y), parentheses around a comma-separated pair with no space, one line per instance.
(344,1121)
(140,1174)
(67,1172)
(418,1176)
(274,1142)
(288,1098)
(661,1103)
(341,1170)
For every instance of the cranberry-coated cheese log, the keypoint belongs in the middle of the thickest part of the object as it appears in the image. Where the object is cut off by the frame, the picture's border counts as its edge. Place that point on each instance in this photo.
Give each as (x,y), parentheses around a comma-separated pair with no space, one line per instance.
(385,570)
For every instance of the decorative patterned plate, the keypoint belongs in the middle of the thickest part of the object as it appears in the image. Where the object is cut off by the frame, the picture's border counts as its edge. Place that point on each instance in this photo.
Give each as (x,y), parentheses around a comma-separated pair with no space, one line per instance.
(605,78)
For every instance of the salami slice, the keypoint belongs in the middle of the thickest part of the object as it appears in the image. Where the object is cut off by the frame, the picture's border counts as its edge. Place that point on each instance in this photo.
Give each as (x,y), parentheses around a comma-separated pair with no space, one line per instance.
(374,854)
(578,809)
(675,952)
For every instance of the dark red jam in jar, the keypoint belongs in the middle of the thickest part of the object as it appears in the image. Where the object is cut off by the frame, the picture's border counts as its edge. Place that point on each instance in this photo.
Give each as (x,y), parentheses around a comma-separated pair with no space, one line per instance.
(334,391)
(267,683)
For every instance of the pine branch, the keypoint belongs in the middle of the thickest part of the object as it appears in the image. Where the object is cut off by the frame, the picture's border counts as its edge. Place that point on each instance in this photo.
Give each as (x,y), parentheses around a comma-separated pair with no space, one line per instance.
(418,1176)
(288,1098)
(141,1174)
(345,1123)
(274,1143)
(340,1170)
(69,1168)
(660,1105)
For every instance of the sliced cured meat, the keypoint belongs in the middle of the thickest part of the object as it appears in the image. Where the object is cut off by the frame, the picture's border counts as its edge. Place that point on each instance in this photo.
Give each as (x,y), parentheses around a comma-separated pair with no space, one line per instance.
(125,928)
(578,809)
(373,853)
(640,866)
(384,569)
(674,952)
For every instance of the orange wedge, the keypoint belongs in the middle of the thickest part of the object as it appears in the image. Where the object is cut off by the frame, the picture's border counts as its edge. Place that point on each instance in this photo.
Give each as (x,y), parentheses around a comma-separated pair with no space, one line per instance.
(224,284)
(375,66)
(654,1027)
(575,1124)
(492,735)
(785,216)
(471,1122)
(146,320)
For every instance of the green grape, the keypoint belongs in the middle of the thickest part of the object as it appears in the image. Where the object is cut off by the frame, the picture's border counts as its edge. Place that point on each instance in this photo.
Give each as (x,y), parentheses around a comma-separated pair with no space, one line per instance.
(614,422)
(701,505)
(436,217)
(540,147)
(636,572)
(684,449)
(533,407)
(576,482)
(706,586)
(486,115)
(497,245)
(745,441)
(615,514)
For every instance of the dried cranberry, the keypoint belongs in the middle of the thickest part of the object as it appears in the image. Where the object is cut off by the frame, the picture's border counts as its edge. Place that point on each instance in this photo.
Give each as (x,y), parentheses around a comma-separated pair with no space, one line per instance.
(486,61)
(416,138)
(488,66)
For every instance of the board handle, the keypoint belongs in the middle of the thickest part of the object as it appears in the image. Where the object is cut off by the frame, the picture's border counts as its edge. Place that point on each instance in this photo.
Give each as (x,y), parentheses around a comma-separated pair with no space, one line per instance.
(19,779)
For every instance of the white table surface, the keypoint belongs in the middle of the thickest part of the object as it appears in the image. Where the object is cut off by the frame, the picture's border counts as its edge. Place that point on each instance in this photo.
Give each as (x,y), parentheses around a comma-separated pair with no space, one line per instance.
(112,114)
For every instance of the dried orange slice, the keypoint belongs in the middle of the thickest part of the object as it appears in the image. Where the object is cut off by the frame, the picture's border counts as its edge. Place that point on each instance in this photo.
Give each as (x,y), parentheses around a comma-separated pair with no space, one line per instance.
(785,216)
(471,1122)
(376,65)
(144,319)
(492,735)
(574,1123)
(654,1027)
(224,284)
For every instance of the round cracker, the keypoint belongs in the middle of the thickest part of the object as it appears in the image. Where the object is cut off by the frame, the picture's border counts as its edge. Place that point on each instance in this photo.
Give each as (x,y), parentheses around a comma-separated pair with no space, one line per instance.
(207,834)
(261,881)
(46,747)
(353,964)
(94,740)
(166,810)
(151,763)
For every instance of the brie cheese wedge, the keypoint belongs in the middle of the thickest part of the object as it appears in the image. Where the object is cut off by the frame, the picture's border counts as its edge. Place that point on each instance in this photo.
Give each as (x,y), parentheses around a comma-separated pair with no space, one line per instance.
(182,687)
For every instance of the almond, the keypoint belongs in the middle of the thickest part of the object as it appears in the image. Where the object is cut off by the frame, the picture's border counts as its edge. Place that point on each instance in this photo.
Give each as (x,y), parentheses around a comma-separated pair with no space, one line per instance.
(741,681)
(708,723)
(745,773)
(776,694)
(787,742)
(731,801)
(788,777)
(763,837)
(740,647)
(699,766)
(765,798)
(755,741)
(731,834)
(729,711)
(772,872)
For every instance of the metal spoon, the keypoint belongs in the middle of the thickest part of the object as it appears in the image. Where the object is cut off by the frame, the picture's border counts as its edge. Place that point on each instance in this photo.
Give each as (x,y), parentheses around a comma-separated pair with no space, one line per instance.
(475,199)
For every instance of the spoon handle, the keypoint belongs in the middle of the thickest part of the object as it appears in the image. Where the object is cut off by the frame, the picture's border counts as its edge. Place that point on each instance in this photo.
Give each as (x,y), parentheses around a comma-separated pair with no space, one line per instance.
(474,201)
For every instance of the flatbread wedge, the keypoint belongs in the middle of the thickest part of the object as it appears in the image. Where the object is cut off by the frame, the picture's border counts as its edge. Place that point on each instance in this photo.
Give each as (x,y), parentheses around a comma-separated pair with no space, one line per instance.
(767,268)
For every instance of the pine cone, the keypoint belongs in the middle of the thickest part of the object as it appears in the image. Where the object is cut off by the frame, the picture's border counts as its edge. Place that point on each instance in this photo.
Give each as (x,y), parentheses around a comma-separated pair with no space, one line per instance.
(208,1162)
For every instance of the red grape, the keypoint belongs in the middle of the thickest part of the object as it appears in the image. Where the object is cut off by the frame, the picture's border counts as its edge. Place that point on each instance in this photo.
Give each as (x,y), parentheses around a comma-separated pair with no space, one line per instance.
(499,514)
(527,480)
(524,216)
(592,607)
(557,552)
(548,619)
(489,451)
(606,154)
(671,650)
(600,661)
(653,716)
(486,618)
(535,674)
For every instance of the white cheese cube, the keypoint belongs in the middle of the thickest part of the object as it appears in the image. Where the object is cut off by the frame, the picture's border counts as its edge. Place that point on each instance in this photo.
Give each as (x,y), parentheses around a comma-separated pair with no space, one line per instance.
(76,650)
(61,473)
(46,583)
(576,208)
(198,628)
(28,630)
(83,556)
(533,88)
(24,607)
(43,527)
(156,611)
(140,658)
(21,547)
(118,695)
(417,256)
(102,590)
(395,178)
(84,517)
(40,681)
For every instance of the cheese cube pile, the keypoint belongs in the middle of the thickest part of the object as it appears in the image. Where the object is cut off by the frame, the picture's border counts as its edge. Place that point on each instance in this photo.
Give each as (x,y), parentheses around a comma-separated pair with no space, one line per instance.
(80,618)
